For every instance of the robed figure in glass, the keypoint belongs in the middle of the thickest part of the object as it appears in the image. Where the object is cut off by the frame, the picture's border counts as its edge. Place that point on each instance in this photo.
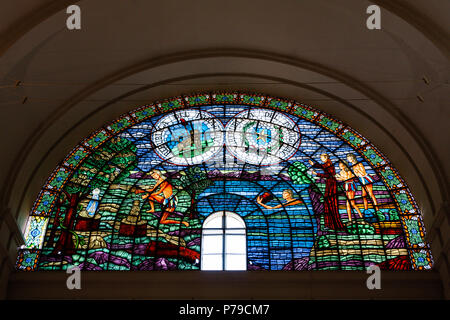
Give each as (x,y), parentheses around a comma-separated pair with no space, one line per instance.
(332,220)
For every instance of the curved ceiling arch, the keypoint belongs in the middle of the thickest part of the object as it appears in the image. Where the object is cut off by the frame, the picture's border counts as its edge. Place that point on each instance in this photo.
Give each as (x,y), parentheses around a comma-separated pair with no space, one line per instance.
(405,12)
(425,25)
(24,24)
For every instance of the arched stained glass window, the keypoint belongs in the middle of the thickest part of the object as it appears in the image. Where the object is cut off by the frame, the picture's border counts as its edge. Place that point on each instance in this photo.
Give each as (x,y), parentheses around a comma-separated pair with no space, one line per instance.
(313,193)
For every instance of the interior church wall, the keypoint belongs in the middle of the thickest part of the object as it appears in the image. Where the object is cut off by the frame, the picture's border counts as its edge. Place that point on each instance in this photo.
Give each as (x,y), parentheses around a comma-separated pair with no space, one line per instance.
(287,59)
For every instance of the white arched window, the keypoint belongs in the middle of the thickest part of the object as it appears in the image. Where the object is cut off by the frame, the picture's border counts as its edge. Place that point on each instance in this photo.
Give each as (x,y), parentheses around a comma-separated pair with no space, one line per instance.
(224,243)
(184,148)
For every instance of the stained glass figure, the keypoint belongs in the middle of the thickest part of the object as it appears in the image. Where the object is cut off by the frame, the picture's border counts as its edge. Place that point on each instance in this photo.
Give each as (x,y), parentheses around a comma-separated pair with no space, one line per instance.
(93,203)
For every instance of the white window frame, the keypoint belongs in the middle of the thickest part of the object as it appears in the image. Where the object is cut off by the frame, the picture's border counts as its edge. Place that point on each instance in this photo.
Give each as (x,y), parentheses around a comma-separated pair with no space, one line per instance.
(224,242)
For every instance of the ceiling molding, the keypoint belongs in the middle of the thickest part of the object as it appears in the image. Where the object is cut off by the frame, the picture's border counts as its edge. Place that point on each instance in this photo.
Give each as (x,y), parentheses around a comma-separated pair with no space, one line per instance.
(408,13)
(431,30)
(26,23)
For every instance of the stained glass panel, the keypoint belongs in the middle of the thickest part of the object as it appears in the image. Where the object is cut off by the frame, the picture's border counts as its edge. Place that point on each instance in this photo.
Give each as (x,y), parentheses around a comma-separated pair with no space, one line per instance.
(312,192)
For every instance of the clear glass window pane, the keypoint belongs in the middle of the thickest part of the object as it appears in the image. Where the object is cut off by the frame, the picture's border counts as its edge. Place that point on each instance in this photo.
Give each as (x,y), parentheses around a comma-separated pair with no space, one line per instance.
(235,262)
(214,221)
(212,244)
(235,244)
(212,262)
(214,248)
(234,222)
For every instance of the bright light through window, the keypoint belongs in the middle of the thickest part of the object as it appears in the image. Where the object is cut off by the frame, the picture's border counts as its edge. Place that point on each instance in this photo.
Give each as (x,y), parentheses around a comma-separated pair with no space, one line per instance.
(224,244)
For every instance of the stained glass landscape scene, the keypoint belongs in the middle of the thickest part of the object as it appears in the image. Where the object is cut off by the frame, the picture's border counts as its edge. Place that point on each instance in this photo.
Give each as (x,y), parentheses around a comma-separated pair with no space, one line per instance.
(225,181)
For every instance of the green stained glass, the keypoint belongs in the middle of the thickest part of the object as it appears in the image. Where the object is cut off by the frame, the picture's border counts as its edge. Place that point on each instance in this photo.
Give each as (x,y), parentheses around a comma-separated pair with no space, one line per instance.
(144,113)
(58,179)
(252,100)
(27,260)
(351,138)
(279,104)
(76,157)
(373,157)
(197,100)
(391,178)
(404,202)
(44,203)
(414,231)
(120,125)
(97,139)
(224,98)
(421,259)
(304,112)
(330,124)
(170,105)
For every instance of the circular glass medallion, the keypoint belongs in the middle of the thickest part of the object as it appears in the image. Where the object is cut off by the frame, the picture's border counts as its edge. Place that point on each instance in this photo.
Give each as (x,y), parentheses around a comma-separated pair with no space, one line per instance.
(262,137)
(187,137)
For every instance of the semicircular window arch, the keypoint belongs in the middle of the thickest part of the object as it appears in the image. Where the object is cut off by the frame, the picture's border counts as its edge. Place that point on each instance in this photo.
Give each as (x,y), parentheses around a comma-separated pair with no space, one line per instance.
(312,192)
(224,242)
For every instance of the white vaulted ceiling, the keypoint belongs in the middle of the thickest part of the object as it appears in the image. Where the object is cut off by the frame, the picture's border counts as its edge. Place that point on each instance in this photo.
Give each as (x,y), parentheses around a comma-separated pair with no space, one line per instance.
(391,85)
